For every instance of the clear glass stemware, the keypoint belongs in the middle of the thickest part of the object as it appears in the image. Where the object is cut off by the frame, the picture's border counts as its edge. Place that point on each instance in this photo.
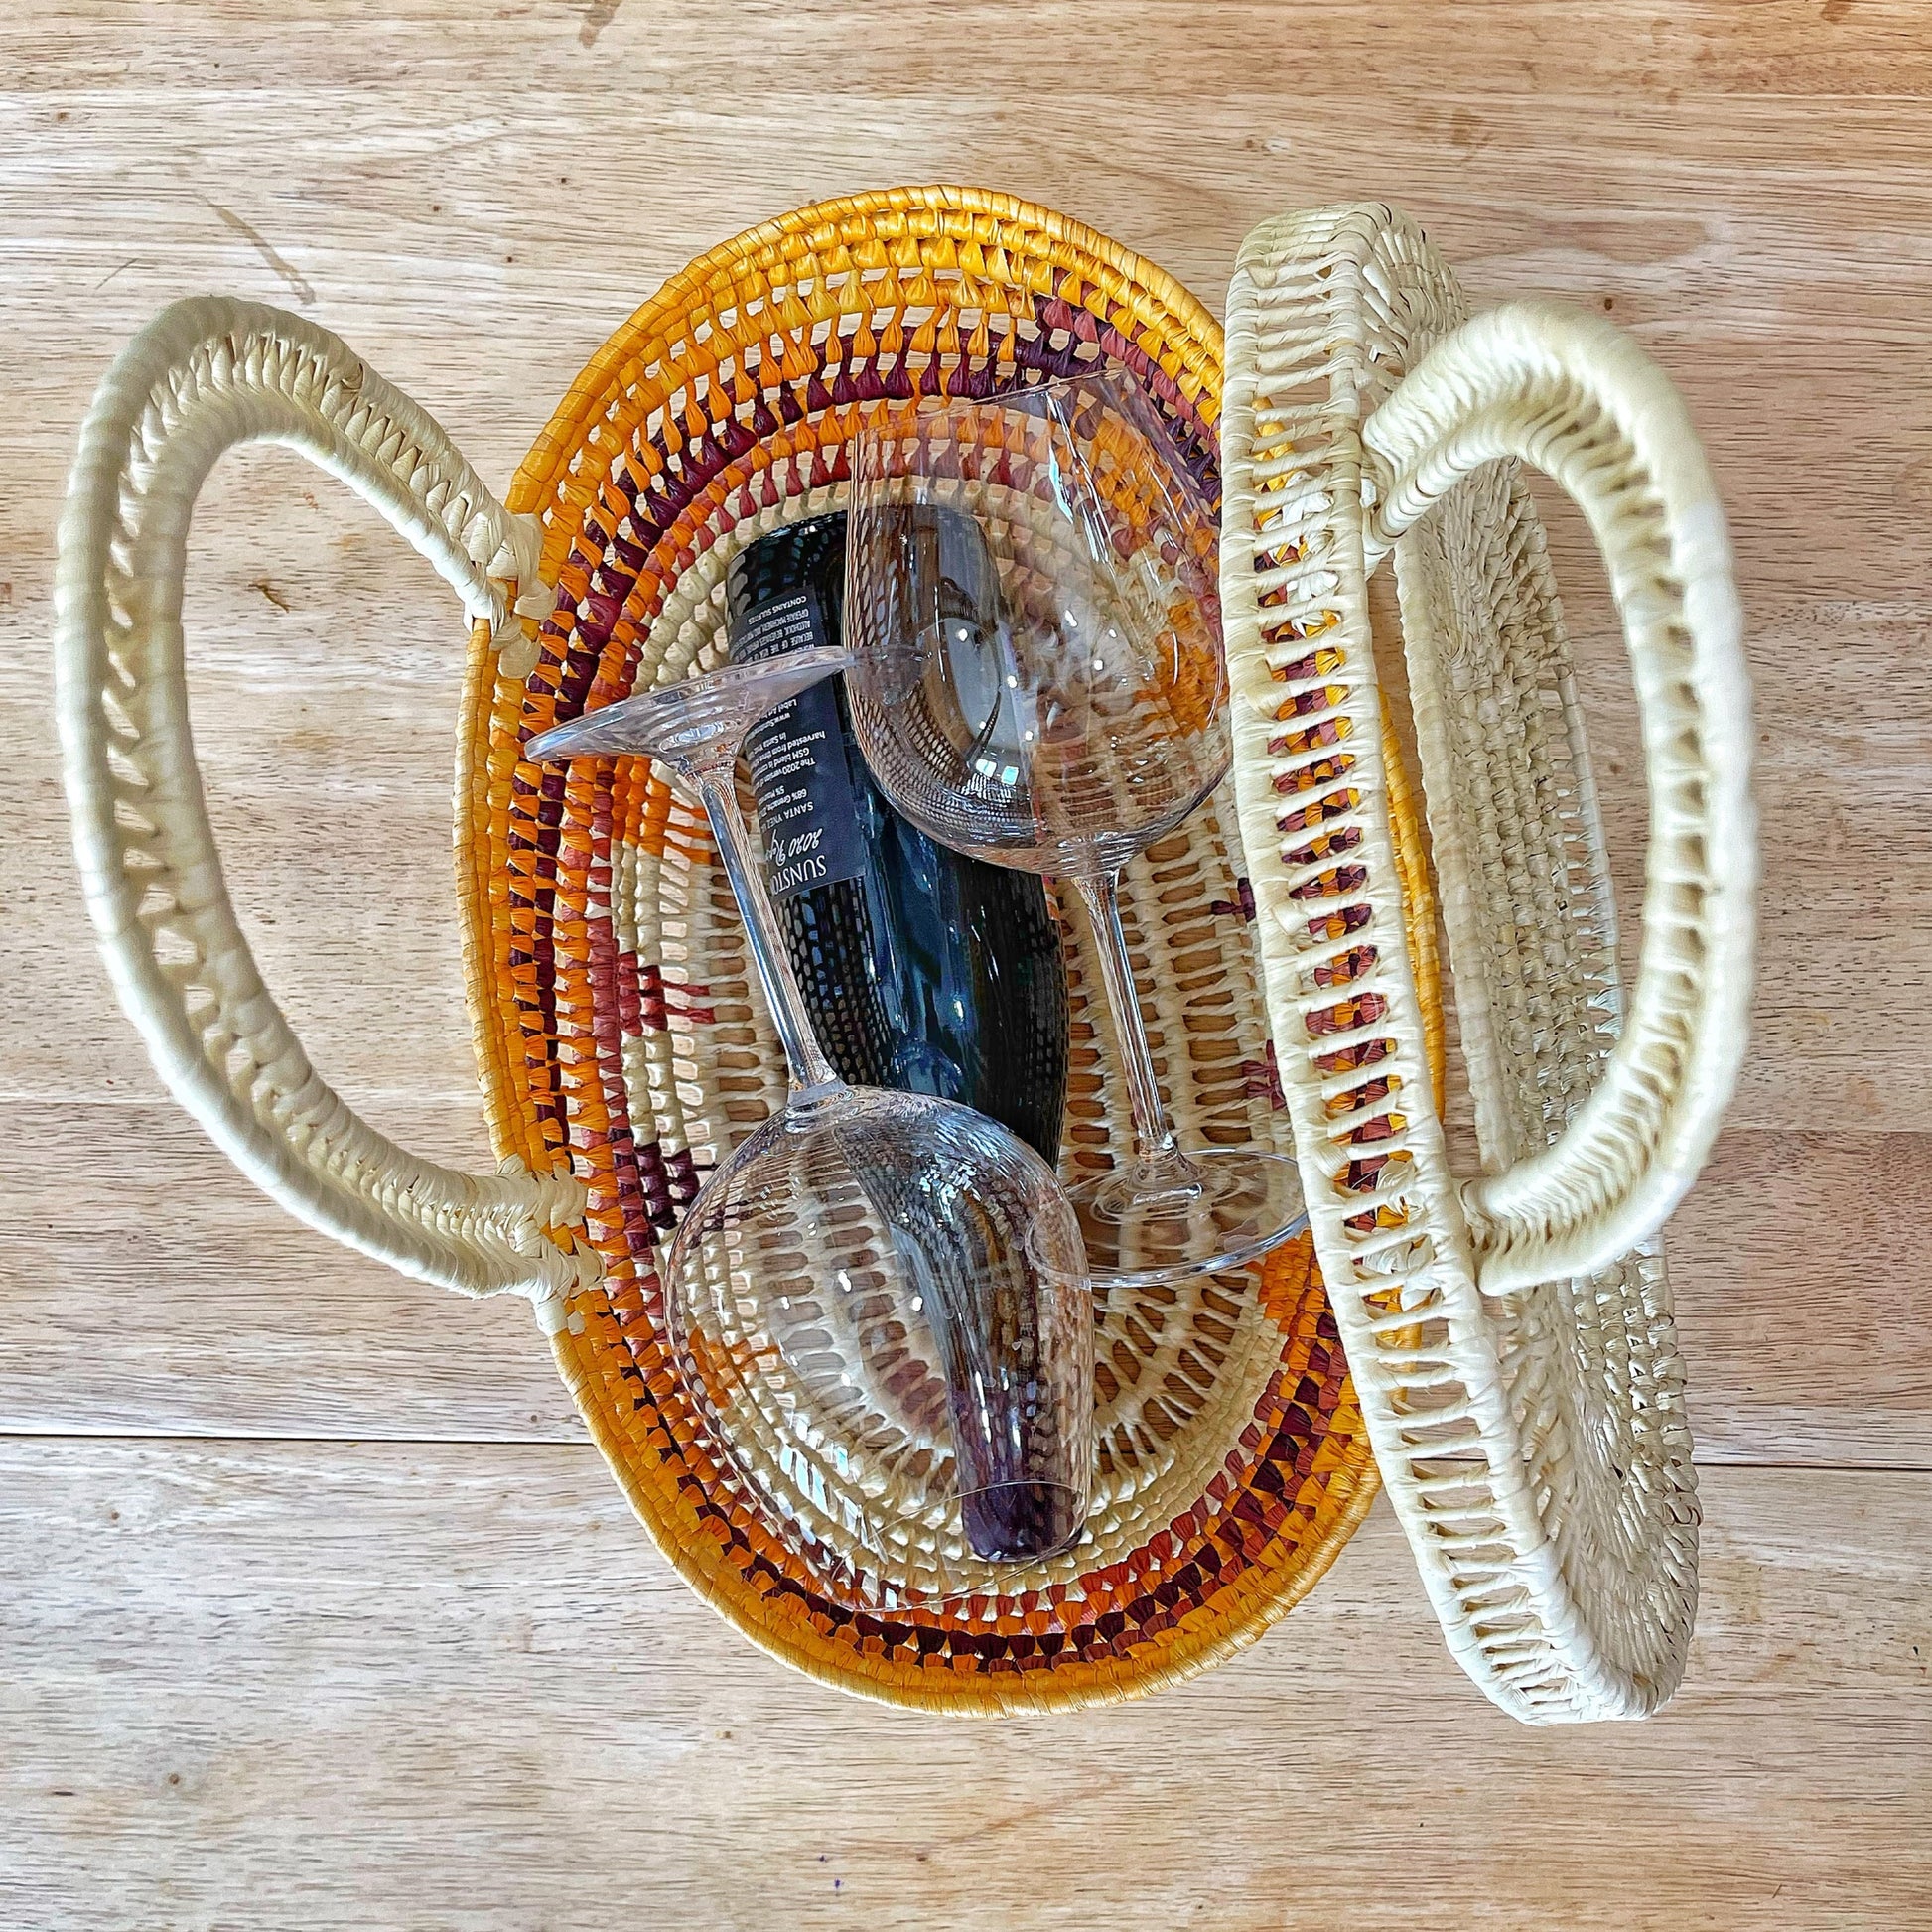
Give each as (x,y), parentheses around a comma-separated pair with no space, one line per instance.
(1032,610)
(880,1299)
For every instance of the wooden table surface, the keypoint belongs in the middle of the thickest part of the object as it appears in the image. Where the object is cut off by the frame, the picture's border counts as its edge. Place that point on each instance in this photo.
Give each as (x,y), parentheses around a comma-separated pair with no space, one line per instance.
(318,1608)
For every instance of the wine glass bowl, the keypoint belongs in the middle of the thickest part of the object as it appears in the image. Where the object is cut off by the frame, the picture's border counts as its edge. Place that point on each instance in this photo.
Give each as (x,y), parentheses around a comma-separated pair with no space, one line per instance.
(1039,678)
(880,1297)
(1037,681)
(884,1292)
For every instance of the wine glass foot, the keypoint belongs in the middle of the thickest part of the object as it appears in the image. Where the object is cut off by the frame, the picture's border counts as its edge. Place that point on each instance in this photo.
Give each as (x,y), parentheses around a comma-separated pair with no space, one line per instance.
(1217,1208)
(691,724)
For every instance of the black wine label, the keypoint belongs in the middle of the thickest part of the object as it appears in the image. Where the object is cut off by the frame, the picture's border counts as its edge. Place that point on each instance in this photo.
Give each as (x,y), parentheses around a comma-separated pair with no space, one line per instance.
(797,752)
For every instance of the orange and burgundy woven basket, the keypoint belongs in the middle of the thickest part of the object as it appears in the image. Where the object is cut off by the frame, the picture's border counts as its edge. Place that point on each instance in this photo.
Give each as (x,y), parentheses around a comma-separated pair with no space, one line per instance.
(623,1043)
(603,942)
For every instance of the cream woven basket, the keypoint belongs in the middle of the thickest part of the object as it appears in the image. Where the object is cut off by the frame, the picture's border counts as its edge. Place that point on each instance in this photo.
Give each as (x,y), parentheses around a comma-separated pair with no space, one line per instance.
(1510,1334)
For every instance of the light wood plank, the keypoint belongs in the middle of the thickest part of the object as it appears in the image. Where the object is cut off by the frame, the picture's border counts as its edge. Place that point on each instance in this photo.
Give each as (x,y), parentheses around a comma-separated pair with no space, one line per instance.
(1508,51)
(455,1686)
(1804,1306)
(187,1304)
(323,726)
(1773,257)
(183,1302)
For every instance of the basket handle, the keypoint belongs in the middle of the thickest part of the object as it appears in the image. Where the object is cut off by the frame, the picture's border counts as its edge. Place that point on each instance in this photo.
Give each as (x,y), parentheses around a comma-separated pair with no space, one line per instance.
(203,375)
(1581,401)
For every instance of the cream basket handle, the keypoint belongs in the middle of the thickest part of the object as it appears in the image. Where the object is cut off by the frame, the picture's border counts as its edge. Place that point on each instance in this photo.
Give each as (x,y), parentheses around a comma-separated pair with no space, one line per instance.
(1578,400)
(203,375)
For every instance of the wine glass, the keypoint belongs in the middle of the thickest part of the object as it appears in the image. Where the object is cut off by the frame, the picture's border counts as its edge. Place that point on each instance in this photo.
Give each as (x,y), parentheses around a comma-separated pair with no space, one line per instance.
(880,1299)
(1032,610)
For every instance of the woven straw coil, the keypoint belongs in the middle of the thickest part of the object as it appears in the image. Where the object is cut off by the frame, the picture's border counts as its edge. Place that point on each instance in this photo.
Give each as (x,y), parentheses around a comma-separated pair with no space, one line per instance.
(1511,1334)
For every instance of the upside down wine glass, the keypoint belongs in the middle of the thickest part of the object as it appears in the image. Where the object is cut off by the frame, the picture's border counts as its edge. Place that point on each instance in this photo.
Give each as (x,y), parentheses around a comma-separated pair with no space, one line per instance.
(880,1299)
(1050,695)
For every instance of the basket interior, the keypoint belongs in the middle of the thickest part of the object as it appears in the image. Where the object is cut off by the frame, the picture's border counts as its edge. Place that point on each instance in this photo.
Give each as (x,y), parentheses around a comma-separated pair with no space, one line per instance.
(621,1030)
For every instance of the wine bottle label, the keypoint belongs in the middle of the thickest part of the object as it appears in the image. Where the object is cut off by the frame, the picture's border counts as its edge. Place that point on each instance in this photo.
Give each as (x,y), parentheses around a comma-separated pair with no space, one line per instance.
(796,753)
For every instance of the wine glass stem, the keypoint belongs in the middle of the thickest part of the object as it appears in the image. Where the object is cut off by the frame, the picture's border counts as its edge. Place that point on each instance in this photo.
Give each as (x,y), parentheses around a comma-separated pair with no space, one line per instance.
(719,795)
(1154,1146)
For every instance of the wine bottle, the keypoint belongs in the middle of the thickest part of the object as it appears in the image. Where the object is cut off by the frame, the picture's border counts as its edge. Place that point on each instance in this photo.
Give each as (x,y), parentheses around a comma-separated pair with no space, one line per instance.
(924,970)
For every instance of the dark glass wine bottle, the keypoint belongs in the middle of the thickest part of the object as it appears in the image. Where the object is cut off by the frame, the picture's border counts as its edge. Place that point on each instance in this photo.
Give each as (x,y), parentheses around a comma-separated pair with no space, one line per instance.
(924,970)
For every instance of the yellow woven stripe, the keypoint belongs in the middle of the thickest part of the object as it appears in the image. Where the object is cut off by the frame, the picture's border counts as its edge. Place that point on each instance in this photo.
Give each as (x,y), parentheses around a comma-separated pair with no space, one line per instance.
(1418,904)
(1173,325)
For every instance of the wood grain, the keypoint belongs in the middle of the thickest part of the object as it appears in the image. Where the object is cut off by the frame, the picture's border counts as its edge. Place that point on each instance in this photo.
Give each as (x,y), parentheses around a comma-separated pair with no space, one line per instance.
(325,656)
(197,1310)
(412,1665)
(452,1685)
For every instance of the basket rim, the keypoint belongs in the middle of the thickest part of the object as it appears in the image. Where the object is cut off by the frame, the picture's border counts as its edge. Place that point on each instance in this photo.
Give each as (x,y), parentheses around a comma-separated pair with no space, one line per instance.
(1564,1575)
(563,432)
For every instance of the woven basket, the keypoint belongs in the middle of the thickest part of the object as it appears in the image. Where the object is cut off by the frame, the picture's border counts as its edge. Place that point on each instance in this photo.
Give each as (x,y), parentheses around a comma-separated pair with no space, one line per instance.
(622,1042)
(1511,1332)
(622,1045)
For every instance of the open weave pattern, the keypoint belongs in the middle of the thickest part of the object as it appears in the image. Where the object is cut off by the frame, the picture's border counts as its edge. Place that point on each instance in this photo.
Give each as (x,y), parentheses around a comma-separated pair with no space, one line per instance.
(1532,1435)
(620,1030)
(205,376)
(1181,1371)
